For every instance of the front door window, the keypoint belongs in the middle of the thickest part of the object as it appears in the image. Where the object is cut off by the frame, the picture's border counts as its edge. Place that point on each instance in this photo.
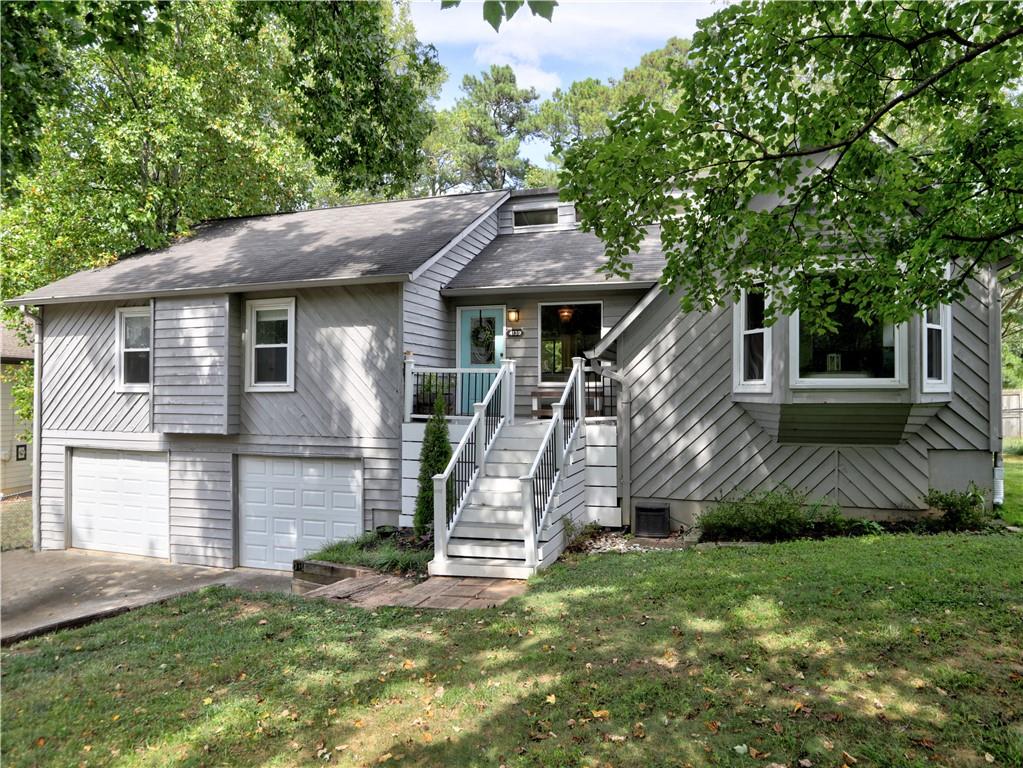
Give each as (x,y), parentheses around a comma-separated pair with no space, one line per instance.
(480,351)
(566,331)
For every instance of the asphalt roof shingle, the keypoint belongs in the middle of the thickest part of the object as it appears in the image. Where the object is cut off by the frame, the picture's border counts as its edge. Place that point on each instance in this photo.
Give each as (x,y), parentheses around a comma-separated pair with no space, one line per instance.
(378,240)
(563,257)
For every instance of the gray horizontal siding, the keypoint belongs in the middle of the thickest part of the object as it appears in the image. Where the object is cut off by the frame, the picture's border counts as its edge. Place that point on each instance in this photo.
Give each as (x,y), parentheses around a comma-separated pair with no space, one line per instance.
(202,508)
(80,371)
(524,349)
(506,213)
(429,324)
(190,365)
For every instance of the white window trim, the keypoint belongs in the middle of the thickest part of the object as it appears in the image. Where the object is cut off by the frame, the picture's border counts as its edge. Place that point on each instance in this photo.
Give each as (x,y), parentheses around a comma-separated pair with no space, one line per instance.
(539,334)
(250,338)
(739,332)
(537,206)
(944,384)
(899,381)
(119,315)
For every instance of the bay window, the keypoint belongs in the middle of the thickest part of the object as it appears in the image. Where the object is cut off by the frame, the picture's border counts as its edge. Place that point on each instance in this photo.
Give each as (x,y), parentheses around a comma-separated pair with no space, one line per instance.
(936,349)
(751,344)
(855,354)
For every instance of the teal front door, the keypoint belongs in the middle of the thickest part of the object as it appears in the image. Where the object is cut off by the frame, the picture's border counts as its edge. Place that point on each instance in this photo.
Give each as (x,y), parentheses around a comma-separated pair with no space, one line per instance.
(480,352)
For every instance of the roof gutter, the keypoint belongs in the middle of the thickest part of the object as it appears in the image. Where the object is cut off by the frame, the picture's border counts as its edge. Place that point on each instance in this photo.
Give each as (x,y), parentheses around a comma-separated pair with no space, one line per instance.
(508,290)
(205,291)
(37,421)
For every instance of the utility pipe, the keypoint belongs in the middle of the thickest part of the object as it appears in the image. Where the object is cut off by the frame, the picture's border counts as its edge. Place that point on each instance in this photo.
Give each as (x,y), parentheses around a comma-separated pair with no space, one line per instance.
(37,420)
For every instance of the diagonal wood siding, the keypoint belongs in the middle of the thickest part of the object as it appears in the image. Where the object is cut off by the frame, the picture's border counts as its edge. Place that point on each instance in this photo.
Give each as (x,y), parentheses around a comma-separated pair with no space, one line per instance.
(428,321)
(691,442)
(79,372)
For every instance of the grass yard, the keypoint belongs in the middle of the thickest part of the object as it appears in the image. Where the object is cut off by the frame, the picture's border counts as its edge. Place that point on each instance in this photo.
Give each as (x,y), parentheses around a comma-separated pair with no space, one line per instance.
(16,522)
(878,651)
(1012,509)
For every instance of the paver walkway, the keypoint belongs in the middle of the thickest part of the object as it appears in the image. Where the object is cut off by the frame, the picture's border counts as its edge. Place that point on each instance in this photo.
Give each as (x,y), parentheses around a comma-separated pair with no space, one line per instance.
(373,591)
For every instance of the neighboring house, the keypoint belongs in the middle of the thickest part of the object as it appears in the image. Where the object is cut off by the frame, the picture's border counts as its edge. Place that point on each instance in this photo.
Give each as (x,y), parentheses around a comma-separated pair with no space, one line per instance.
(15,452)
(246,395)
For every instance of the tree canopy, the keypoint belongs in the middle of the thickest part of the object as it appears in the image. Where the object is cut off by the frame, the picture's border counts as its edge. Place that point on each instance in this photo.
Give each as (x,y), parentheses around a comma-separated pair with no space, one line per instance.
(880,140)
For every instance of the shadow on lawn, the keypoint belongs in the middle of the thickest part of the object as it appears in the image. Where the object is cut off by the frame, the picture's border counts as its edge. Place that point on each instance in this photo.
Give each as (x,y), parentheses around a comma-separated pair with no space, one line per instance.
(655,659)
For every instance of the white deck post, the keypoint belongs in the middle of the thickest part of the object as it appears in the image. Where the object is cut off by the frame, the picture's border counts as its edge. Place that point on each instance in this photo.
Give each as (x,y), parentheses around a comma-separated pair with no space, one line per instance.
(558,417)
(580,387)
(410,364)
(509,385)
(526,487)
(481,435)
(440,518)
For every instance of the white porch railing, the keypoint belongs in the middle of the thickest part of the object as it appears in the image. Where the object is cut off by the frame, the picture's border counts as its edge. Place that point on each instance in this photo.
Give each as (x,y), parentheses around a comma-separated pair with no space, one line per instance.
(459,389)
(539,485)
(451,487)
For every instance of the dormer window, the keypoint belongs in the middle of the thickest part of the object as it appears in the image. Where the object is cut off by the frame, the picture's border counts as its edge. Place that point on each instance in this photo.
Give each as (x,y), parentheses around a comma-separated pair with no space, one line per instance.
(537,217)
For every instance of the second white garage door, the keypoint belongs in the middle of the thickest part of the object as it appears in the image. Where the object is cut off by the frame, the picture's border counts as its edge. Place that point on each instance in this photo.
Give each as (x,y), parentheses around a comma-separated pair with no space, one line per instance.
(119,501)
(291,507)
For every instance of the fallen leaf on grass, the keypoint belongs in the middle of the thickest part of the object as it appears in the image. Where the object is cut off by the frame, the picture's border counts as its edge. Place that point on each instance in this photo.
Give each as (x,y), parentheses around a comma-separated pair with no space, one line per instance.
(551,698)
(849,759)
(713,726)
(601,714)
(639,731)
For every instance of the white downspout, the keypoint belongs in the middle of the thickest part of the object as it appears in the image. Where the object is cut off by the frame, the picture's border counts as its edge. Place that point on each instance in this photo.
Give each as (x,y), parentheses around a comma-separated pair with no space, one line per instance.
(995,387)
(37,420)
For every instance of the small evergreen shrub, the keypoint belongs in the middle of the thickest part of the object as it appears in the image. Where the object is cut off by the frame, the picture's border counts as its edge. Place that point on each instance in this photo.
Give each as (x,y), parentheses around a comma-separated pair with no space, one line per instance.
(433,459)
(780,515)
(961,510)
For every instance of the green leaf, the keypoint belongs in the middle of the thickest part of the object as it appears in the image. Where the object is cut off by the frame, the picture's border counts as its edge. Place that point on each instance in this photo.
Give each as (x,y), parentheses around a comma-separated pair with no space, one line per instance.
(493,13)
(544,8)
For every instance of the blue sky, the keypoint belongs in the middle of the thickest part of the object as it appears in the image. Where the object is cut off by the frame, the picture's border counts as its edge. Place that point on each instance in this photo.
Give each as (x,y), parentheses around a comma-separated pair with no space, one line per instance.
(588,38)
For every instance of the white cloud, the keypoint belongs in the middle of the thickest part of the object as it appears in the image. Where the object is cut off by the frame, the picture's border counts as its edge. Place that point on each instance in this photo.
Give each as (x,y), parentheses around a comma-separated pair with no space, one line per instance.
(595,35)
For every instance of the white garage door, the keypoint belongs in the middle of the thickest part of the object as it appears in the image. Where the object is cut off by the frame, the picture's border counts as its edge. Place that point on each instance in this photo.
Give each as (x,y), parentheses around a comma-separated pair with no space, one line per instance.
(291,507)
(119,501)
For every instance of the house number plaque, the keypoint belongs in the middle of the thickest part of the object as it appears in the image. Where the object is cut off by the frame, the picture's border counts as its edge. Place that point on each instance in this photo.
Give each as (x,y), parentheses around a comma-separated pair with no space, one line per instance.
(514,332)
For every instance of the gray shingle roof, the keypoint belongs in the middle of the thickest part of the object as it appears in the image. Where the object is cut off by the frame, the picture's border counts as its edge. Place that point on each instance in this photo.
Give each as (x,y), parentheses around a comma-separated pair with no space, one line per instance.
(11,347)
(361,242)
(565,257)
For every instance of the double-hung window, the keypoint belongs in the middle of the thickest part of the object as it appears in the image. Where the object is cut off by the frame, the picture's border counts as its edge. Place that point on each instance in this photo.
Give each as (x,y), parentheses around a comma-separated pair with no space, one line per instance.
(751,347)
(936,348)
(270,345)
(133,349)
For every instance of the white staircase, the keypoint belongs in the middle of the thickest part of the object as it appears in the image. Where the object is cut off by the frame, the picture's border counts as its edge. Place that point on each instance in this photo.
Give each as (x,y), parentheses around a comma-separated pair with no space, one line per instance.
(489,537)
(496,508)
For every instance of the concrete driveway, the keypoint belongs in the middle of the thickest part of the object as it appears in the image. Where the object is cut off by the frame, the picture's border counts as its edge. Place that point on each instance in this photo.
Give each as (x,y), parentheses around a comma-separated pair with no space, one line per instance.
(58,588)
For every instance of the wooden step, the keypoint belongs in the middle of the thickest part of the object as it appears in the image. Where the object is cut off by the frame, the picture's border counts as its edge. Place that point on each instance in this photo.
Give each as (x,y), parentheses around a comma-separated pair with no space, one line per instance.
(488,530)
(501,484)
(495,498)
(517,456)
(481,567)
(487,548)
(476,513)
(505,470)
(505,443)
(534,429)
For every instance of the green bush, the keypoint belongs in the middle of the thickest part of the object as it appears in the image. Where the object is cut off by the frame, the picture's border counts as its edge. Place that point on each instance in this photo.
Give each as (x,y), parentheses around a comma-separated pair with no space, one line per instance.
(403,555)
(433,459)
(780,515)
(961,510)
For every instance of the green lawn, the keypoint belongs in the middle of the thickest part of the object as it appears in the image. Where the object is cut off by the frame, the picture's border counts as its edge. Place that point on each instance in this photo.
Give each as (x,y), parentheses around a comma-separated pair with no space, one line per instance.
(1012,509)
(895,650)
(16,522)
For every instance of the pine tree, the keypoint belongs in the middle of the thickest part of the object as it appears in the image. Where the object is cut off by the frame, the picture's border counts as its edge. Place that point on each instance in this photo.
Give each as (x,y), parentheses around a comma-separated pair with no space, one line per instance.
(433,459)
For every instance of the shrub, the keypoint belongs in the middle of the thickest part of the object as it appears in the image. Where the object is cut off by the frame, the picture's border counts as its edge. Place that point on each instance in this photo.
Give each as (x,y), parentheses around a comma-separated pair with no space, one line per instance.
(961,510)
(779,515)
(402,554)
(433,459)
